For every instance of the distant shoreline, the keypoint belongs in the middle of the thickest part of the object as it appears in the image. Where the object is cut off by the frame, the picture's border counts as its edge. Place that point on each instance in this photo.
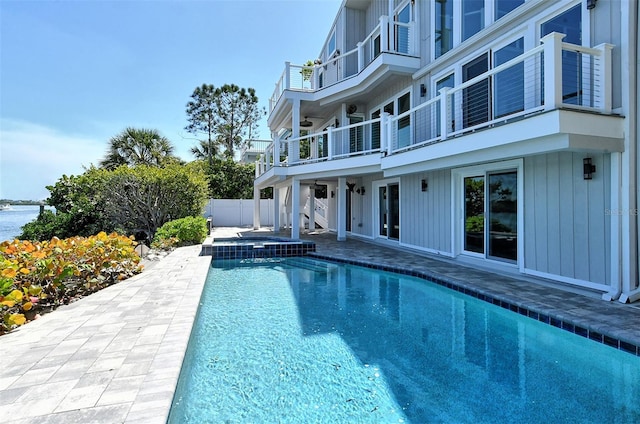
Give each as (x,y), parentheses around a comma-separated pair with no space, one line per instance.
(21,202)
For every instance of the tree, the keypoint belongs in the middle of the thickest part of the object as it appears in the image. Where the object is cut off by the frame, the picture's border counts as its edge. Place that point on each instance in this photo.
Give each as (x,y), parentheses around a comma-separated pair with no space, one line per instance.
(237,116)
(131,200)
(142,199)
(204,151)
(227,116)
(228,179)
(201,112)
(79,205)
(138,147)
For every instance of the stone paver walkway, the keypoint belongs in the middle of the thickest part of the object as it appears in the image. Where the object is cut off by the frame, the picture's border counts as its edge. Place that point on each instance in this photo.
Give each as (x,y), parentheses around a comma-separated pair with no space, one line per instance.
(115,356)
(112,357)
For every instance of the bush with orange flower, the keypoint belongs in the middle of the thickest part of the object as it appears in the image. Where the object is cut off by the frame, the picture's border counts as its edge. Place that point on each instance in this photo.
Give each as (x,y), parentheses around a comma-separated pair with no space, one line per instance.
(36,277)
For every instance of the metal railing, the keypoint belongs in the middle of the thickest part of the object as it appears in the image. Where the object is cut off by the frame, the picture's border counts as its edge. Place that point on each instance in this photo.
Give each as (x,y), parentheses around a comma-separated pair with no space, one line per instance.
(387,36)
(551,76)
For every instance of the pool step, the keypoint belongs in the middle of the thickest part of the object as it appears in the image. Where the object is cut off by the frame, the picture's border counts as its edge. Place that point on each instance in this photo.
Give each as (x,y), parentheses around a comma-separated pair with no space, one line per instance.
(304,264)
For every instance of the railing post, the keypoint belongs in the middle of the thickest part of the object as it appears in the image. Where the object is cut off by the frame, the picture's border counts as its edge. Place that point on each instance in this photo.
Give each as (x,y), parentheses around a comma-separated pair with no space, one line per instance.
(552,70)
(360,56)
(413,39)
(313,147)
(385,133)
(287,75)
(444,109)
(330,142)
(315,80)
(384,33)
(294,150)
(604,77)
(259,166)
(276,152)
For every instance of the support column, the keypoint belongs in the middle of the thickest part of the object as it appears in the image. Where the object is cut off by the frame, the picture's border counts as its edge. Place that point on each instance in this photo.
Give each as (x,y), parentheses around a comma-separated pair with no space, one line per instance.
(256,208)
(342,208)
(276,209)
(294,146)
(312,209)
(295,208)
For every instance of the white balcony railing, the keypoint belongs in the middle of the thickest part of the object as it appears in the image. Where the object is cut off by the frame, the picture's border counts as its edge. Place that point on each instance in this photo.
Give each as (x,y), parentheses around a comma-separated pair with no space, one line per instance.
(551,76)
(345,65)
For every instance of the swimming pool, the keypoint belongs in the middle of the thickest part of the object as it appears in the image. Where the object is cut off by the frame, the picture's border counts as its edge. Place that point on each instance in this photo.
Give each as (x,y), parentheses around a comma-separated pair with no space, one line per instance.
(303,340)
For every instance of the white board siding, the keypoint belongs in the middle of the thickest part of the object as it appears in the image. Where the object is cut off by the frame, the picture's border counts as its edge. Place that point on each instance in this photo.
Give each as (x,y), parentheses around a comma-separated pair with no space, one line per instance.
(567,231)
(425,216)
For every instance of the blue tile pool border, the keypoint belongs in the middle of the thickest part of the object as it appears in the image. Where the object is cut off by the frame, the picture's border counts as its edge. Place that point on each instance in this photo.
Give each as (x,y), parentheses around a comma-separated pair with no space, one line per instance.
(262,247)
(543,316)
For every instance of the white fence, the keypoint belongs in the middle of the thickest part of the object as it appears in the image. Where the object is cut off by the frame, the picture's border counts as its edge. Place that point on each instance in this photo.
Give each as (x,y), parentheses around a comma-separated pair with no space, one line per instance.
(238,212)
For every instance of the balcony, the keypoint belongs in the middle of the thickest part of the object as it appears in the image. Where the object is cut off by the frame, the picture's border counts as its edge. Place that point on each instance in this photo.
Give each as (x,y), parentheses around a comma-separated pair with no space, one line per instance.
(535,102)
(388,37)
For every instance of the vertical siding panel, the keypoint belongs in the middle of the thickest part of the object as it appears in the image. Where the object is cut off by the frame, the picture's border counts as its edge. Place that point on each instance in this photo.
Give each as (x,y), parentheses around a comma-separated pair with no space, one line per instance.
(540,206)
(553,214)
(606,203)
(581,221)
(597,238)
(428,216)
(529,212)
(435,188)
(445,208)
(566,178)
(430,235)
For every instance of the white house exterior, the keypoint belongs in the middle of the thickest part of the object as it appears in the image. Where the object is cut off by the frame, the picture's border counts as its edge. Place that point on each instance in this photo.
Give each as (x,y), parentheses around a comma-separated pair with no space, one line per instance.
(501,133)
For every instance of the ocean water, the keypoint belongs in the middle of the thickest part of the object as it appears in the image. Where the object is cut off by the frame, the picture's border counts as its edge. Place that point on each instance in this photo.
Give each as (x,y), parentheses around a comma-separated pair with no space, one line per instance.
(12,220)
(299,340)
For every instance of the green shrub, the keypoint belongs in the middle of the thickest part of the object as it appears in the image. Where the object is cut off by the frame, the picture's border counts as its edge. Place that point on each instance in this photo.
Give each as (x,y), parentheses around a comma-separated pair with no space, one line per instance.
(181,232)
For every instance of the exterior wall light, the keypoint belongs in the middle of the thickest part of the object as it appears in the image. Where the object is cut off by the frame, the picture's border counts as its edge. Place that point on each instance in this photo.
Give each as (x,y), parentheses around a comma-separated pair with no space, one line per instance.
(360,191)
(424,185)
(591,4)
(423,90)
(588,168)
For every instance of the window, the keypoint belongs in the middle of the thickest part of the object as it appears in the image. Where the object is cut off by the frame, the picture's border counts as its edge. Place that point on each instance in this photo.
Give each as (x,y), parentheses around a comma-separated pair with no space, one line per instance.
(472,17)
(356,140)
(375,127)
(509,84)
(331,45)
(375,47)
(569,23)
(443,27)
(502,7)
(475,103)
(404,124)
(402,31)
(375,130)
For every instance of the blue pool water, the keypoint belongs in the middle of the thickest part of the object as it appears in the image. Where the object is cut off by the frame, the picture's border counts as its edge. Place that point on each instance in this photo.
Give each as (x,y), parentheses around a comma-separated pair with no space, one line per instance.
(299,340)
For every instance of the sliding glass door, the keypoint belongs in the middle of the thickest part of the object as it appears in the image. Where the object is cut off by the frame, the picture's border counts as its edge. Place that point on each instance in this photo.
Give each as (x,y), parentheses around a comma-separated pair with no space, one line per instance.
(490,217)
(388,203)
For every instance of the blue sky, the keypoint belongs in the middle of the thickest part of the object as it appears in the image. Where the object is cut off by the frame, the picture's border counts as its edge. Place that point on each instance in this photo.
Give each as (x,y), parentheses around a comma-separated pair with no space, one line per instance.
(75,73)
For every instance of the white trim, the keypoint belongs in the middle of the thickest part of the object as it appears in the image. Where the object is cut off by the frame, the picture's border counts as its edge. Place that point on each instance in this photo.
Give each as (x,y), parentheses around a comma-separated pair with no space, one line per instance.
(457,208)
(361,236)
(568,280)
(427,250)
(375,207)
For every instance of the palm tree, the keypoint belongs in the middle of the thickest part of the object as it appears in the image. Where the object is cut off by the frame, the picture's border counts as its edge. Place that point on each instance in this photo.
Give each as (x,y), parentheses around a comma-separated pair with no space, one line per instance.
(135,146)
(202,151)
